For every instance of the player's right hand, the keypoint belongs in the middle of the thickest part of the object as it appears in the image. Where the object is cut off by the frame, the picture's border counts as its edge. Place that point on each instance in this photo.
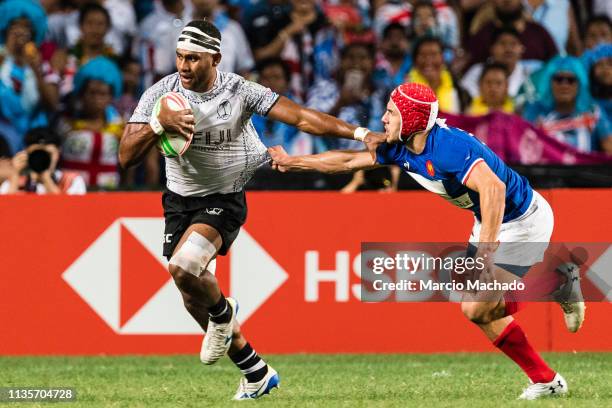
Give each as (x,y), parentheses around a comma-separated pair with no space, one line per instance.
(181,122)
(372,141)
(280,158)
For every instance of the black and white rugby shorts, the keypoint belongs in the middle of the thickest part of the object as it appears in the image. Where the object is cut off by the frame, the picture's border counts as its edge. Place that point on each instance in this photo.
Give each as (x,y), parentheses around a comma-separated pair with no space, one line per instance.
(224,212)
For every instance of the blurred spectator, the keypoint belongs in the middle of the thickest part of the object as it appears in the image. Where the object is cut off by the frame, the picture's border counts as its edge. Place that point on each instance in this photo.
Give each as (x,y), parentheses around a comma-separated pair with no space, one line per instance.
(351,18)
(22,87)
(65,25)
(602,7)
(147,173)
(274,74)
(123,24)
(91,133)
(493,95)
(598,31)
(130,74)
(354,98)
(538,43)
(235,50)
(34,170)
(94,21)
(393,61)
(425,23)
(351,96)
(157,36)
(506,49)
(429,69)
(403,12)
(557,16)
(598,63)
(570,115)
(300,35)
(270,28)
(469,9)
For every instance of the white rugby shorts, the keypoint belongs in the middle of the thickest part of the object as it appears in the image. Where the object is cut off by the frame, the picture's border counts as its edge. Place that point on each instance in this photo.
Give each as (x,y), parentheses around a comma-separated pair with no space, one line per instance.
(524,240)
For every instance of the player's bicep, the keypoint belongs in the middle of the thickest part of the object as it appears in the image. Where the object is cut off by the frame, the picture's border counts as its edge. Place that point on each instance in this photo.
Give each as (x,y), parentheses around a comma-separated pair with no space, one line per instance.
(286,111)
(480,176)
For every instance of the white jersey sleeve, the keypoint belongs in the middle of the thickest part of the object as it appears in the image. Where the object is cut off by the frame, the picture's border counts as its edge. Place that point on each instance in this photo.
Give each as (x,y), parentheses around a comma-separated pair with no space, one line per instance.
(142,113)
(257,98)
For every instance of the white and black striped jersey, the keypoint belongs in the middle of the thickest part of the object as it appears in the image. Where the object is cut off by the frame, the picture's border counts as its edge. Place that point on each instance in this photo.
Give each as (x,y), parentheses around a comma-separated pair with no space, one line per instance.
(226,150)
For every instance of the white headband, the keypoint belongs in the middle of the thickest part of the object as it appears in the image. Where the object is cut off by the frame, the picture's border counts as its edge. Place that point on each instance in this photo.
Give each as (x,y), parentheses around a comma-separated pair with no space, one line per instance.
(194,39)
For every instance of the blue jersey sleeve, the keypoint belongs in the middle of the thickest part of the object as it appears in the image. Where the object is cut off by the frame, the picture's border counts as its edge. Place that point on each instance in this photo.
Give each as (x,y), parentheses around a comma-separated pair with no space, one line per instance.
(388,153)
(458,160)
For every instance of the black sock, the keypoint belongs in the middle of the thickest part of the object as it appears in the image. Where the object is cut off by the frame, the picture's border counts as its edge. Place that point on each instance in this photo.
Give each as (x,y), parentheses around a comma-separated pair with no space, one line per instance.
(220,312)
(250,364)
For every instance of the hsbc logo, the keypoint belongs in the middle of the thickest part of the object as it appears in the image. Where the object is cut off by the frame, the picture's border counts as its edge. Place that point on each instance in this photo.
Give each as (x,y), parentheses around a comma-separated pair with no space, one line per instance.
(123,277)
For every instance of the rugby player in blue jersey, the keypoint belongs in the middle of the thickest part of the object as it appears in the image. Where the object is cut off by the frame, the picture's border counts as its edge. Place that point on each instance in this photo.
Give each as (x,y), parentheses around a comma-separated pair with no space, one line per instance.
(456,165)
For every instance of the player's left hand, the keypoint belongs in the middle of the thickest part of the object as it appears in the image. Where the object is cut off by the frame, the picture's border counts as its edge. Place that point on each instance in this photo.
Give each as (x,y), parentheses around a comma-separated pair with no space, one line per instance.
(372,141)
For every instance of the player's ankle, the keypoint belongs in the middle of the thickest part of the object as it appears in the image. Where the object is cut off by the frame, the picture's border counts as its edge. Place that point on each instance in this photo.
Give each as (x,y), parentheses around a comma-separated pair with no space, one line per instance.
(221,312)
(253,367)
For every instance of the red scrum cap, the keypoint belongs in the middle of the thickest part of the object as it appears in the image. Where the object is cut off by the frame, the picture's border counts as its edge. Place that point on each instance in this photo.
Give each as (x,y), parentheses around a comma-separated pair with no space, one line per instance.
(418,108)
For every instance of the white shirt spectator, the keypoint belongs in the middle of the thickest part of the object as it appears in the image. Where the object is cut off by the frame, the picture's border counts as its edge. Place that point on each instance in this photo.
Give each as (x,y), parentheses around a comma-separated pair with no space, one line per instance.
(470,81)
(554,16)
(602,7)
(156,42)
(394,11)
(64,30)
(235,50)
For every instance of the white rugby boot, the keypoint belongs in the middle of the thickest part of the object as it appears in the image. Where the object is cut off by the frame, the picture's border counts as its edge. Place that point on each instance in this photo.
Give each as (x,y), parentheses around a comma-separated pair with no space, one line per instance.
(247,390)
(556,388)
(569,296)
(218,337)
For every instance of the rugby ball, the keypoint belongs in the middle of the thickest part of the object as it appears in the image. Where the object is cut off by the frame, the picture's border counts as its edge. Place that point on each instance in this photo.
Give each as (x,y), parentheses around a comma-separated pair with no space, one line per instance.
(172,144)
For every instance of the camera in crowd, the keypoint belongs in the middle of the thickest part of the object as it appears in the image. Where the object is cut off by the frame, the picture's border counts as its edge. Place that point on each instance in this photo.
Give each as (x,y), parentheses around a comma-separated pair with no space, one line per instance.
(38,143)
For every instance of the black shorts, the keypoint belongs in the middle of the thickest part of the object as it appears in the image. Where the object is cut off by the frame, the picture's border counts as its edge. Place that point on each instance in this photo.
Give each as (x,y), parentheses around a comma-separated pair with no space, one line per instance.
(224,212)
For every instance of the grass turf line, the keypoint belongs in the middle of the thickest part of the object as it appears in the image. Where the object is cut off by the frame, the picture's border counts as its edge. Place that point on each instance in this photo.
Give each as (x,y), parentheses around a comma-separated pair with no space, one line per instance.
(440,380)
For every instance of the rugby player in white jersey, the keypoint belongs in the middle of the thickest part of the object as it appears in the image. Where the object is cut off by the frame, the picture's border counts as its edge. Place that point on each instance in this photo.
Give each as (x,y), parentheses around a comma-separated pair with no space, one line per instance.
(204,203)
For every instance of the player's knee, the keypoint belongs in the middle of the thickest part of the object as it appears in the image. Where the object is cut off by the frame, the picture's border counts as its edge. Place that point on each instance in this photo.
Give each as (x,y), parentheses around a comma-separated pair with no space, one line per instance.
(193,255)
(182,278)
(479,313)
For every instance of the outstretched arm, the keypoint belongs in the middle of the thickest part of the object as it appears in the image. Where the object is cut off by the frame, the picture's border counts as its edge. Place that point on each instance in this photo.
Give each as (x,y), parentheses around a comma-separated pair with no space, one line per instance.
(334,161)
(492,193)
(320,124)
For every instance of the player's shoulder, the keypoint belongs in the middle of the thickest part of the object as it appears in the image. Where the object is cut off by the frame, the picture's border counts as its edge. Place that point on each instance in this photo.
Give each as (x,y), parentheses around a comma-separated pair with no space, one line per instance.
(452,138)
(231,82)
(168,83)
(451,144)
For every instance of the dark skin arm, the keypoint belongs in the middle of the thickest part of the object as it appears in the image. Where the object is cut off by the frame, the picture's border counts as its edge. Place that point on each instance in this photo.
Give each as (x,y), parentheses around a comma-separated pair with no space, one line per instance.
(320,124)
(138,138)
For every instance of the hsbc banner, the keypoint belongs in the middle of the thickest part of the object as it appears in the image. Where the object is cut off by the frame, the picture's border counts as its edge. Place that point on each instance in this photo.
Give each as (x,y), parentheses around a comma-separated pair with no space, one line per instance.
(85,275)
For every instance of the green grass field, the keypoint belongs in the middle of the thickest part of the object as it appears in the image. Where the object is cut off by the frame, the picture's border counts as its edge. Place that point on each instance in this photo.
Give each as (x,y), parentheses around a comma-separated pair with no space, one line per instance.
(443,380)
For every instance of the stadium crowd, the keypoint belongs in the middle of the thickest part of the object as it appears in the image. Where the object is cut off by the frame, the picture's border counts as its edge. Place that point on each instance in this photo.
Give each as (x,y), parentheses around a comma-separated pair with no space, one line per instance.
(72,71)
